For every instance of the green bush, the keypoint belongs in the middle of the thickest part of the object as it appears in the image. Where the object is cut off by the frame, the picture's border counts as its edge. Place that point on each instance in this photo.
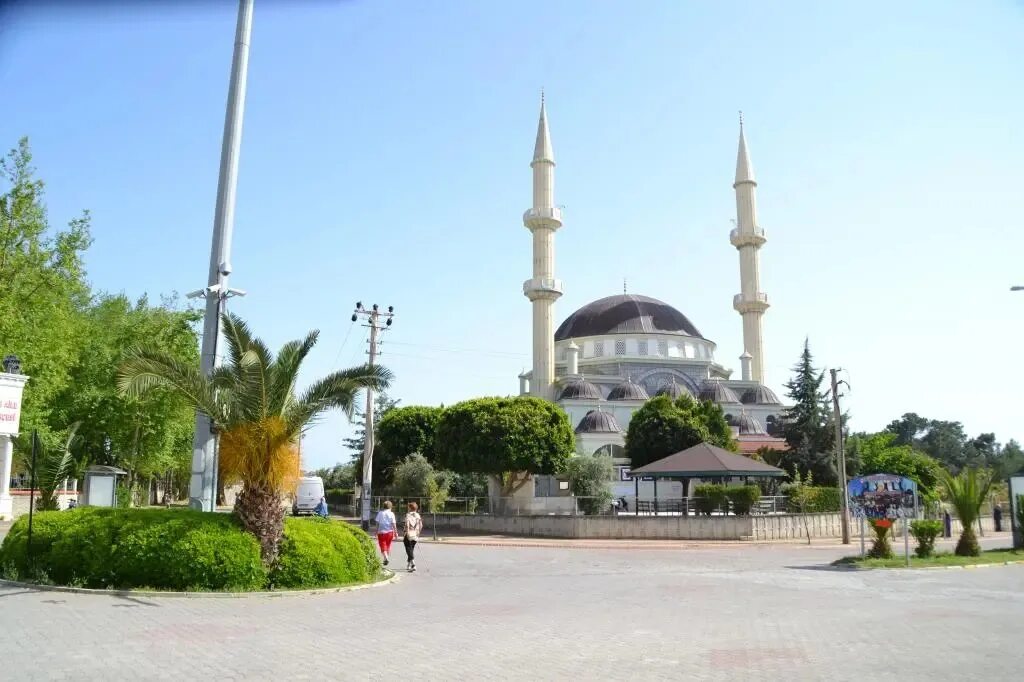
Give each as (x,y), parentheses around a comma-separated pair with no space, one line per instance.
(811,499)
(925,533)
(318,552)
(743,498)
(710,496)
(181,550)
(126,548)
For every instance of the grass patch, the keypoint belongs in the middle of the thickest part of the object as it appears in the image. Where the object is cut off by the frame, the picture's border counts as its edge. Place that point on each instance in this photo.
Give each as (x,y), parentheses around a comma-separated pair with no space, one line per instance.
(993,556)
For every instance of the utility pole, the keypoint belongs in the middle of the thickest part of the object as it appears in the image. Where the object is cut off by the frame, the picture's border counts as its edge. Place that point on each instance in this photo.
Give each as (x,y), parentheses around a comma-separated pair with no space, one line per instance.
(373,320)
(841,457)
(202,491)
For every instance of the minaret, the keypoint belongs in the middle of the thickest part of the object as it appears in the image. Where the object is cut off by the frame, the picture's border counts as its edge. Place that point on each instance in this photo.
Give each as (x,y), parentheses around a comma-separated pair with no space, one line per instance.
(543,289)
(748,238)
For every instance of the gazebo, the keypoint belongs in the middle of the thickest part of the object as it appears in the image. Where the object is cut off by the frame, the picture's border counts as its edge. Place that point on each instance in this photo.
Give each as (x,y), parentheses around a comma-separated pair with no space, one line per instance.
(703,461)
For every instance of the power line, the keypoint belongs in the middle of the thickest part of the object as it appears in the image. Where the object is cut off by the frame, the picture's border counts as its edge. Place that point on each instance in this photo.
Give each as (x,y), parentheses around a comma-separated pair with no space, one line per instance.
(343,342)
(461,350)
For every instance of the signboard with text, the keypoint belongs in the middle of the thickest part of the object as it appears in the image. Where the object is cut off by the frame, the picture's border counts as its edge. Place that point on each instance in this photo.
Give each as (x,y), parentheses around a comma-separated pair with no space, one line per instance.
(881,496)
(11,387)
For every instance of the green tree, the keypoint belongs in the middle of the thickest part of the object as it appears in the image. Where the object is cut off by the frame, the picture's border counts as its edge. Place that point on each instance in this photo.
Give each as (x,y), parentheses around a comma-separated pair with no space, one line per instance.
(257,412)
(382,404)
(147,435)
(879,454)
(400,432)
(662,427)
(42,294)
(412,476)
(589,477)
(509,438)
(341,476)
(807,425)
(966,492)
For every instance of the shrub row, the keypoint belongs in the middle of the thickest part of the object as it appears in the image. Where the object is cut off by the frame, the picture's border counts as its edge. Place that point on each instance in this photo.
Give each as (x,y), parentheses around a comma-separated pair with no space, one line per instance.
(713,496)
(180,550)
(811,499)
(338,496)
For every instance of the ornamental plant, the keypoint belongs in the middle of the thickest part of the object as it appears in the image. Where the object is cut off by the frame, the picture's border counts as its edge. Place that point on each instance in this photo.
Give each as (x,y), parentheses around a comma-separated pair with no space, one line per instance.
(925,532)
(881,548)
(966,493)
(256,411)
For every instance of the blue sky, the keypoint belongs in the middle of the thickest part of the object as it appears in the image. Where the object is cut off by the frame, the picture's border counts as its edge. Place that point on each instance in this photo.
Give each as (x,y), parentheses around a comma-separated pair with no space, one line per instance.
(385,158)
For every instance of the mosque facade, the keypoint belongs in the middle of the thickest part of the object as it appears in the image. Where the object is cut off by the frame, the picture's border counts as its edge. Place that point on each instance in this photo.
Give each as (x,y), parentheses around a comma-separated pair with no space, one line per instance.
(605,360)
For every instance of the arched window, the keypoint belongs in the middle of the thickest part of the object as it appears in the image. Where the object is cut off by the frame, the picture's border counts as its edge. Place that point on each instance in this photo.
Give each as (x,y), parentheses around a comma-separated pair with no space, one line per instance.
(610,450)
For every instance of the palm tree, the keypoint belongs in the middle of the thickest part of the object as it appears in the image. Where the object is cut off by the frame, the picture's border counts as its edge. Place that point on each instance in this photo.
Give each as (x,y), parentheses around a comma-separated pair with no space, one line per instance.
(52,466)
(966,492)
(256,412)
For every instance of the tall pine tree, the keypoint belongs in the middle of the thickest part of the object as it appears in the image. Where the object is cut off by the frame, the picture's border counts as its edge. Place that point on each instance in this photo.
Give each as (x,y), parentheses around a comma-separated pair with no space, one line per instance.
(808,426)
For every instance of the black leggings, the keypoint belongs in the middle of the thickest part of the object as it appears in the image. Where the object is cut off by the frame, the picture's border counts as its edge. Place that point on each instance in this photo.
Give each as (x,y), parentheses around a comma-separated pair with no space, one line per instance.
(410,547)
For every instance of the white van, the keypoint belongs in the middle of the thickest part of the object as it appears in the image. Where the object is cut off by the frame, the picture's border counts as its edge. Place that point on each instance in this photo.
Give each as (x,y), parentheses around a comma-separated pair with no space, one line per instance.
(307,494)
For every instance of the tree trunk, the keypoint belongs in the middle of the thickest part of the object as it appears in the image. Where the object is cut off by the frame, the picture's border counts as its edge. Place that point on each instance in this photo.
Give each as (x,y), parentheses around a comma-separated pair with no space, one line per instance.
(261,514)
(968,543)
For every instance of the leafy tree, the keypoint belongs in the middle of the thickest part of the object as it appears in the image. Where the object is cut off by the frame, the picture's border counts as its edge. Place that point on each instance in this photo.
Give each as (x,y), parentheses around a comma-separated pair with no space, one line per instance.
(509,438)
(340,476)
(43,291)
(400,432)
(879,454)
(1011,460)
(588,479)
(662,427)
(412,476)
(382,404)
(966,492)
(907,428)
(808,427)
(147,435)
(253,404)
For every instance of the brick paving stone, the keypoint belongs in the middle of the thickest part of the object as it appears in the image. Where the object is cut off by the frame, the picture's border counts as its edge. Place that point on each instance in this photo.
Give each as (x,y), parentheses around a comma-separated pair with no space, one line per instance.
(722,612)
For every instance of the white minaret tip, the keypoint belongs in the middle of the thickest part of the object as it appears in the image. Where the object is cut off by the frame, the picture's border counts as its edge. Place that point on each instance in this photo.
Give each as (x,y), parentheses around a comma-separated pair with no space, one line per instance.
(542,149)
(744,169)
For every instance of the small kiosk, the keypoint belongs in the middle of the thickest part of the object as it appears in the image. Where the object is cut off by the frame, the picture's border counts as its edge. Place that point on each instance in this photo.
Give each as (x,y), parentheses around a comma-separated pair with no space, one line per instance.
(100,486)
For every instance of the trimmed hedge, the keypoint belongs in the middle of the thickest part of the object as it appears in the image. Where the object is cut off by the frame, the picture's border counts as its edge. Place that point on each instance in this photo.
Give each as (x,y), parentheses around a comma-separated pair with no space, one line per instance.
(743,498)
(710,497)
(317,552)
(819,499)
(181,550)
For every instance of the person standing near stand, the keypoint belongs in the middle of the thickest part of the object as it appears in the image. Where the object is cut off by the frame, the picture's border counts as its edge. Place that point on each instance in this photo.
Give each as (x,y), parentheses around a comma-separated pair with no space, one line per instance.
(413,526)
(387,527)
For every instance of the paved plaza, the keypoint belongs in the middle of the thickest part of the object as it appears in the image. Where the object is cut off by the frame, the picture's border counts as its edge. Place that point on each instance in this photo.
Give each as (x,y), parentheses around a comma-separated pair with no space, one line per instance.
(478,611)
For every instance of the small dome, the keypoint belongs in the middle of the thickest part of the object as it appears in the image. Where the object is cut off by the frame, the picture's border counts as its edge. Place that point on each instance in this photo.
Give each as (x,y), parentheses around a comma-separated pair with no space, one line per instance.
(760,395)
(717,392)
(628,391)
(749,426)
(597,421)
(578,389)
(673,390)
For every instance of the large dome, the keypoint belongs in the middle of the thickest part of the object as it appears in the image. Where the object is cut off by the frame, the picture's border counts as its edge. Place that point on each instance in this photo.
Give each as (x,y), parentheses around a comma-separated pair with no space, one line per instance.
(626,314)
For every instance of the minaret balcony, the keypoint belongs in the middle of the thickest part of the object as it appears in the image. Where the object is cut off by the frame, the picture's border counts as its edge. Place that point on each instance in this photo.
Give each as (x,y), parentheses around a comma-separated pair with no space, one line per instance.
(755,303)
(543,218)
(747,236)
(539,288)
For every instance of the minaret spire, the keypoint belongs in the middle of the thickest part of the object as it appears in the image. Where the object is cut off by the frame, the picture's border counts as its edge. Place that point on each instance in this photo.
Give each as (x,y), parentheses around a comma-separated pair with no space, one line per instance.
(542,220)
(748,238)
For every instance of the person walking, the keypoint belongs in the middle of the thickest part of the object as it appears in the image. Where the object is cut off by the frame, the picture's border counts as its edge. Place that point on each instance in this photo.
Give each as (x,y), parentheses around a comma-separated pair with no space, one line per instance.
(413,526)
(387,527)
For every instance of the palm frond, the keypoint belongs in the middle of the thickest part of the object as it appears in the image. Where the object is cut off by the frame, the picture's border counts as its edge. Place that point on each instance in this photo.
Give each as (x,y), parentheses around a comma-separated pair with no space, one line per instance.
(286,372)
(335,391)
(145,369)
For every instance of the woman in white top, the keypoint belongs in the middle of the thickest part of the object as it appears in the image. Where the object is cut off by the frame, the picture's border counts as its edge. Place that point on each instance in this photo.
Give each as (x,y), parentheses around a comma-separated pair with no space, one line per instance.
(413,526)
(387,526)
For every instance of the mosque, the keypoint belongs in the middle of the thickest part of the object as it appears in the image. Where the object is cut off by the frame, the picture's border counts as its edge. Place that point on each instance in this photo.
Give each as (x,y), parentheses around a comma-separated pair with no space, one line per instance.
(609,357)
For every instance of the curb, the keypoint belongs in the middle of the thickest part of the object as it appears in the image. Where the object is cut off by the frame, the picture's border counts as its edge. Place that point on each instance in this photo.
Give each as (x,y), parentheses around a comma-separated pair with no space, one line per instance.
(931,568)
(393,577)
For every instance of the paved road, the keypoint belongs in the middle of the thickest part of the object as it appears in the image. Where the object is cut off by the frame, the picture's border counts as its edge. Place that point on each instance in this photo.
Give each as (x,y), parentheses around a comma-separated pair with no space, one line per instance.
(750,612)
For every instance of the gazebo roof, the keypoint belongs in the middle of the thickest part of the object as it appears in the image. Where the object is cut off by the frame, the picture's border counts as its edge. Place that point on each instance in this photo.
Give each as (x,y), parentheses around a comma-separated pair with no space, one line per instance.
(706,461)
